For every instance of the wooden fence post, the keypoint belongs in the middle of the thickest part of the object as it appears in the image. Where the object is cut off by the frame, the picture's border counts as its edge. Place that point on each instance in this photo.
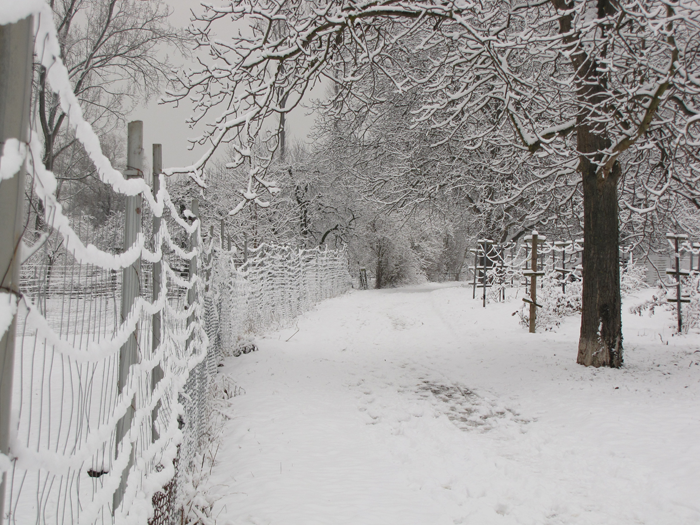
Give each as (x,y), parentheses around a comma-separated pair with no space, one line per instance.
(527,268)
(485,244)
(363,279)
(563,272)
(476,262)
(210,258)
(483,274)
(157,373)
(16,44)
(677,273)
(533,284)
(533,273)
(502,272)
(131,279)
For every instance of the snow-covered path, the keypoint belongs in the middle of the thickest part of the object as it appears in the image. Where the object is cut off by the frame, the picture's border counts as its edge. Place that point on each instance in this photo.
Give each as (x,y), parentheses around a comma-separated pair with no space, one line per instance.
(418,406)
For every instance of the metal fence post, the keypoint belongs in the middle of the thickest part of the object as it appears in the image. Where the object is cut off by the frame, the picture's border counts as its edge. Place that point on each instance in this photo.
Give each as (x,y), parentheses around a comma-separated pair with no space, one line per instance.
(16,43)
(192,292)
(128,354)
(222,235)
(157,373)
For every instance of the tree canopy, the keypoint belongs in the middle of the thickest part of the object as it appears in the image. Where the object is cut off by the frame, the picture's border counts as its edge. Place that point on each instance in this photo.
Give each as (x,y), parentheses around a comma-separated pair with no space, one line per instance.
(571,97)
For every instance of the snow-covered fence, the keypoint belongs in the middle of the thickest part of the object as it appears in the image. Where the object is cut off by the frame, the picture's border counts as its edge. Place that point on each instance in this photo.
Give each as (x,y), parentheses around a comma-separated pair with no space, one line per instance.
(501,266)
(274,285)
(557,272)
(69,463)
(71,386)
(66,399)
(684,282)
(552,282)
(683,278)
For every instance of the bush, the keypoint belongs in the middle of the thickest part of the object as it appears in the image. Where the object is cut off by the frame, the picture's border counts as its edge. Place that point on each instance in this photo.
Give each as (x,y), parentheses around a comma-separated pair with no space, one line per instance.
(632,278)
(557,304)
(395,256)
(690,286)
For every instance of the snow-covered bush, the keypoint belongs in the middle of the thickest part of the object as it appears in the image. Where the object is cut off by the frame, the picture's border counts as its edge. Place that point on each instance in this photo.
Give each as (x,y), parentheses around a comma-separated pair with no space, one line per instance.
(555,302)
(502,278)
(632,278)
(496,292)
(195,498)
(690,287)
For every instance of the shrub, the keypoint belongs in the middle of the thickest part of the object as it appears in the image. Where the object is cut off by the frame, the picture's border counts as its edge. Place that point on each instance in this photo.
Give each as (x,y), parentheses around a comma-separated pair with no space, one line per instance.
(632,278)
(690,286)
(557,304)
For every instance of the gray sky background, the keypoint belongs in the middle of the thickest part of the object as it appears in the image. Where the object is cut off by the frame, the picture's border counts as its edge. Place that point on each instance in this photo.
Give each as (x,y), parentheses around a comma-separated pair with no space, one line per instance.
(165,124)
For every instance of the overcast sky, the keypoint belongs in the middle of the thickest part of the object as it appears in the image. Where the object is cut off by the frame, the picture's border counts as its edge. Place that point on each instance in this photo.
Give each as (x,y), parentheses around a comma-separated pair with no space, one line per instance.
(165,124)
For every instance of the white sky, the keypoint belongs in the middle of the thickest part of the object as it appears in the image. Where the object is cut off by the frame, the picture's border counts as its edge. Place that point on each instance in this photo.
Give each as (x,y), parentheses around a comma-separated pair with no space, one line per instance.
(165,124)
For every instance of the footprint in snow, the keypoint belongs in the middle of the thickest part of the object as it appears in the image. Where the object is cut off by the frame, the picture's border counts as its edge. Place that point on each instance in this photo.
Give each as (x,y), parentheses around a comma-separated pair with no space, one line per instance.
(466,409)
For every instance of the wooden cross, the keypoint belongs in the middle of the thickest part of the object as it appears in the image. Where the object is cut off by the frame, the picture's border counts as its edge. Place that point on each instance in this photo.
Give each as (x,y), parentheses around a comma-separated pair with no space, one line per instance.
(533,274)
(677,272)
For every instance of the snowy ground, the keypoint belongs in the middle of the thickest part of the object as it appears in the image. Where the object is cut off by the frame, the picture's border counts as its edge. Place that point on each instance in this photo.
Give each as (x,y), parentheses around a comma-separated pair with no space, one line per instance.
(418,406)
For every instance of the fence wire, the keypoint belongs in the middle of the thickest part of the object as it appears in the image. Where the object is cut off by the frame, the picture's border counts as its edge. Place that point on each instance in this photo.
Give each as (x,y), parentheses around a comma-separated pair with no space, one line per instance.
(67,462)
(276,284)
(503,265)
(66,398)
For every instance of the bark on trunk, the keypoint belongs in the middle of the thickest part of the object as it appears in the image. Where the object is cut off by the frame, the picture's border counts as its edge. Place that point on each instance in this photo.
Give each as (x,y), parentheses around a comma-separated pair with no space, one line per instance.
(600,341)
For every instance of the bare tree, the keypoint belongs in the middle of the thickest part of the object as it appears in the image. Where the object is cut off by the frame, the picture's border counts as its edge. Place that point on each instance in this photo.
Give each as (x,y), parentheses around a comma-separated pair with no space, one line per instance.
(116,53)
(577,85)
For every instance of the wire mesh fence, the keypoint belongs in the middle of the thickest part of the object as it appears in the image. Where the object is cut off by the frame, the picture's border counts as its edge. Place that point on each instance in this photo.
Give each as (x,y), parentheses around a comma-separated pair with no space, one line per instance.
(120,323)
(67,461)
(274,285)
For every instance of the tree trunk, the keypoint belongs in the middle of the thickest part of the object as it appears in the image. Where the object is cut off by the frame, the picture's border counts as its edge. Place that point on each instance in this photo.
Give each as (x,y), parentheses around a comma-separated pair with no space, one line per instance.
(600,341)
